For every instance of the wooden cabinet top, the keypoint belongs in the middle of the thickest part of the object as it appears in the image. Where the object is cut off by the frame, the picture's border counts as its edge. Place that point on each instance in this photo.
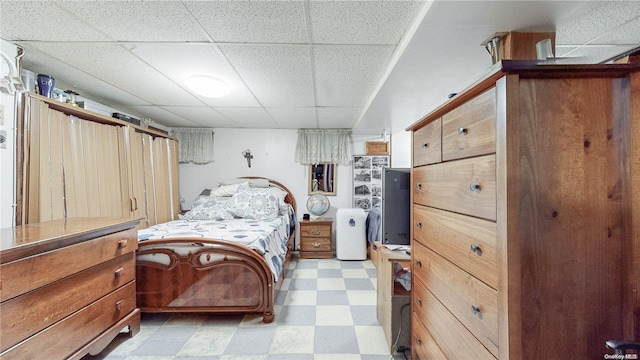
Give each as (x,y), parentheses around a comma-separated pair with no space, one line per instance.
(26,240)
(525,69)
(317,221)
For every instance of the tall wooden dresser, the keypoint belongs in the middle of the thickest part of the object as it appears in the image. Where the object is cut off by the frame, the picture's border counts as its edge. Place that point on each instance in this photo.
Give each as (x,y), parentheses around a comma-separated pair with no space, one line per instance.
(526,215)
(67,287)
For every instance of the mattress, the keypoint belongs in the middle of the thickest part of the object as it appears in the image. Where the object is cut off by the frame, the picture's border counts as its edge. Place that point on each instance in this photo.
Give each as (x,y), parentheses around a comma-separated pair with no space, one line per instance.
(268,238)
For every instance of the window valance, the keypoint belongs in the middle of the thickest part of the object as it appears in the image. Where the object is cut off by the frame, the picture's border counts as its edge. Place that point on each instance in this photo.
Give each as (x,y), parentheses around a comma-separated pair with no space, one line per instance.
(323,146)
(195,145)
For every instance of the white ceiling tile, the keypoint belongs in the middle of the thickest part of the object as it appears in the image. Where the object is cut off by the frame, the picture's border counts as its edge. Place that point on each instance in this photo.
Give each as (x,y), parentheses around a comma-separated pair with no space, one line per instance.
(338,117)
(278,75)
(361,22)
(294,118)
(626,34)
(43,20)
(70,78)
(252,22)
(201,116)
(257,118)
(179,61)
(100,60)
(597,21)
(160,115)
(139,20)
(591,54)
(346,75)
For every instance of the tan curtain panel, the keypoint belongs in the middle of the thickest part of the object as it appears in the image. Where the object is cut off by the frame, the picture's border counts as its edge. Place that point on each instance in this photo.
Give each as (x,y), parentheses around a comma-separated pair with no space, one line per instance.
(323,146)
(195,145)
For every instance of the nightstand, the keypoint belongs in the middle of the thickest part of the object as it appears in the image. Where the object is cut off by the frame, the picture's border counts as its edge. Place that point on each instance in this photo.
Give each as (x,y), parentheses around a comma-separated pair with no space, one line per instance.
(316,239)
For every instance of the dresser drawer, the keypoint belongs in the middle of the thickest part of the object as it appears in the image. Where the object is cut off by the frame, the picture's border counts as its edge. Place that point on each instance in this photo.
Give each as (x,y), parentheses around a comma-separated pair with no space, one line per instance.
(423,345)
(470,130)
(453,339)
(427,144)
(466,241)
(464,186)
(313,230)
(39,270)
(315,244)
(31,312)
(76,330)
(471,301)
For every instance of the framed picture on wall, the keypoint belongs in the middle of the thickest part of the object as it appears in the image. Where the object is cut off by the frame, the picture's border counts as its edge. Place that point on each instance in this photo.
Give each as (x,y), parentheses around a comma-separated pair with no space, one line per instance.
(367,180)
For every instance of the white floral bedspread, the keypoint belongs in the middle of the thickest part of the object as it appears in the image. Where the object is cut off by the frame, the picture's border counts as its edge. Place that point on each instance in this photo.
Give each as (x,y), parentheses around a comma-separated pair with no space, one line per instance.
(268,238)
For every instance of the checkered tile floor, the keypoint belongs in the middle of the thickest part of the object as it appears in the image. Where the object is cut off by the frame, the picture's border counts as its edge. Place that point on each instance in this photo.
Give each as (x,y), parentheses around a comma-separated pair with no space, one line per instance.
(325,310)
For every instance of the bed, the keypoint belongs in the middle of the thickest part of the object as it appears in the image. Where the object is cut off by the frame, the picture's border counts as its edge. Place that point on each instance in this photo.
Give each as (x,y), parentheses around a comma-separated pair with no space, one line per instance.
(228,254)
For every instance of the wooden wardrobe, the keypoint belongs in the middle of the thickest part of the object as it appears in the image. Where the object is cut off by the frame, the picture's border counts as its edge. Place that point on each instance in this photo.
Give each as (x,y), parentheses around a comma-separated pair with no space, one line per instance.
(76,163)
(526,215)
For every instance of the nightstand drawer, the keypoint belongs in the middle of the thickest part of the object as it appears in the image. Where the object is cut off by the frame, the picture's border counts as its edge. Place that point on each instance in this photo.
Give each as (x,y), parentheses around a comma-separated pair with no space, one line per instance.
(464,186)
(315,244)
(427,144)
(315,231)
(470,130)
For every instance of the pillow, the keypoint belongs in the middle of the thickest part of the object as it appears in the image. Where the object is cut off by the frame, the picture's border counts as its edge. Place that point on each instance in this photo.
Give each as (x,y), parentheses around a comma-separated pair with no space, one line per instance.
(199,200)
(257,183)
(279,194)
(225,190)
(254,204)
(212,209)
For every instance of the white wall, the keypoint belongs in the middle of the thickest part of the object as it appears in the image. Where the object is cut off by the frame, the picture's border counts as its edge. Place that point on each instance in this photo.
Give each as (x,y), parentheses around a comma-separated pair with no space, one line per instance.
(273,157)
(7,156)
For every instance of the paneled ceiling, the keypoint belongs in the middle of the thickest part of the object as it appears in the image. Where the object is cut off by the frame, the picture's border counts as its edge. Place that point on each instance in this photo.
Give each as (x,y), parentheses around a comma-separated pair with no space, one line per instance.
(367,65)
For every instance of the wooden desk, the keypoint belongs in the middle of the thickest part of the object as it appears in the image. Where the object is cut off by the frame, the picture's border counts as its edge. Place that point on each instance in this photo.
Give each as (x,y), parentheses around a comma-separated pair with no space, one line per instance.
(392,297)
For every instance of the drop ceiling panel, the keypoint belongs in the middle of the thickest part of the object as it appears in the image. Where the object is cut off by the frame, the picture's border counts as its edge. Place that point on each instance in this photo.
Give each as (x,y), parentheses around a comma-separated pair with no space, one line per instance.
(163,20)
(43,20)
(201,116)
(101,59)
(598,21)
(252,22)
(71,78)
(161,116)
(257,118)
(180,61)
(337,117)
(278,75)
(294,118)
(346,75)
(360,22)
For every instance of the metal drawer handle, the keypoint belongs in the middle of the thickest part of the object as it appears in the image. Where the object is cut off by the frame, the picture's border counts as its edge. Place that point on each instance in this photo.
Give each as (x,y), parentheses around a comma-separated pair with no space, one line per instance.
(476,249)
(419,263)
(315,232)
(475,187)
(119,272)
(463,131)
(425,145)
(419,225)
(475,310)
(119,305)
(316,244)
(418,186)
(419,302)
(419,341)
(122,244)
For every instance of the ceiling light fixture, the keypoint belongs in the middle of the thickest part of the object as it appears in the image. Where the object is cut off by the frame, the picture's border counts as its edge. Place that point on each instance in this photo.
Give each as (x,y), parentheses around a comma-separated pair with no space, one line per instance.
(208,86)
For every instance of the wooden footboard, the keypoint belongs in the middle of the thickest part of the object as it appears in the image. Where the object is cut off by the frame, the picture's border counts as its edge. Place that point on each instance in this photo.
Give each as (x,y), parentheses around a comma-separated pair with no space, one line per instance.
(219,277)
